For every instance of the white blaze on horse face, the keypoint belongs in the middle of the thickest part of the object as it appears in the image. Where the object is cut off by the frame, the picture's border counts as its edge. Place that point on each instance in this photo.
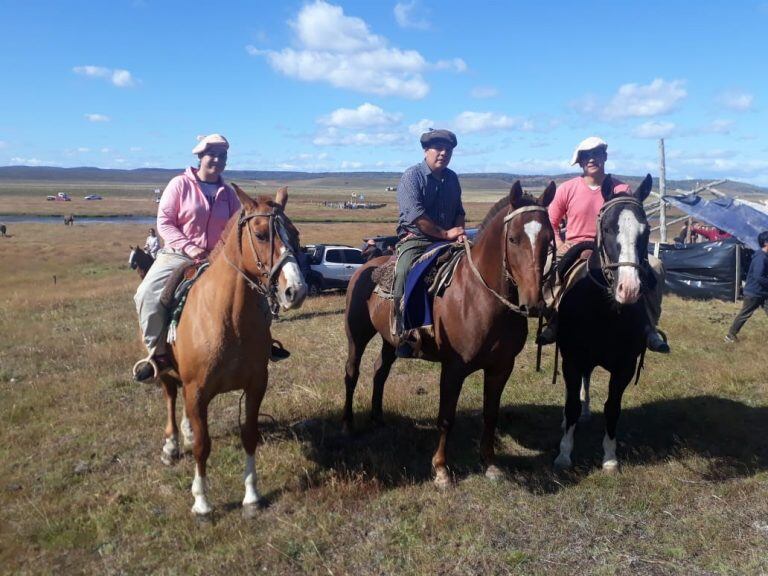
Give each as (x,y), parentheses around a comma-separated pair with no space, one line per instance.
(294,283)
(532,229)
(630,230)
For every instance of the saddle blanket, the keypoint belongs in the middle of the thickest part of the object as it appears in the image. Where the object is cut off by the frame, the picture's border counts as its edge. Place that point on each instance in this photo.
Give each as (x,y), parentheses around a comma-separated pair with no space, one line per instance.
(417,302)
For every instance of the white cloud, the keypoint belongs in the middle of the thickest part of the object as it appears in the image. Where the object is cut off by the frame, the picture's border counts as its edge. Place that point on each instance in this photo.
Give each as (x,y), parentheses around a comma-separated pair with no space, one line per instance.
(364,115)
(410,15)
(736,100)
(719,127)
(136,149)
(97,117)
(83,149)
(334,137)
(468,122)
(106,150)
(654,129)
(16,160)
(482,92)
(637,101)
(350,165)
(118,77)
(342,51)
(3,144)
(421,126)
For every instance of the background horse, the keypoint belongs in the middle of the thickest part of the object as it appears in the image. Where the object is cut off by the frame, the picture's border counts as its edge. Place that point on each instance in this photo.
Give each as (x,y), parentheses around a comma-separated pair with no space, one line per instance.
(480,323)
(223,338)
(140,261)
(69,220)
(602,319)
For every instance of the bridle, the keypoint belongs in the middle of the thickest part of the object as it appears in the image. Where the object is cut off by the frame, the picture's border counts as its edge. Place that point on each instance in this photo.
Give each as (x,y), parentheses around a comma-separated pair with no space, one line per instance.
(607,267)
(506,277)
(266,280)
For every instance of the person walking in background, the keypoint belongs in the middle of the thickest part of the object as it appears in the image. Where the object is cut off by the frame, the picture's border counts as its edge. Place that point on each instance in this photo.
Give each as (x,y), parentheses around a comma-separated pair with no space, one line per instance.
(152,245)
(755,288)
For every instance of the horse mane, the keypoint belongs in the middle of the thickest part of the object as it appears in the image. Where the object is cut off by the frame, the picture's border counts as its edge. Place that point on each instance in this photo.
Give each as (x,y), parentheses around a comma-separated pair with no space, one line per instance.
(501,204)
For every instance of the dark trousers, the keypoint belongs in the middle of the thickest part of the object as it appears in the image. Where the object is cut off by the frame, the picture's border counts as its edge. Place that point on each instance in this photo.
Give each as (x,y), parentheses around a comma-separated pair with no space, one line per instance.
(751,303)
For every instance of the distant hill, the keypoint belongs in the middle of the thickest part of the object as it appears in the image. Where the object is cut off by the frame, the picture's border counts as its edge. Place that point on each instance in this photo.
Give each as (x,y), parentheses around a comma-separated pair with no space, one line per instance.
(470,181)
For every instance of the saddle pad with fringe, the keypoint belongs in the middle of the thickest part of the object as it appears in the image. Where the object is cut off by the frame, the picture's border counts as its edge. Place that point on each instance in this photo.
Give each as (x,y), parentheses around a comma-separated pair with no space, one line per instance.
(417,302)
(174,294)
(384,277)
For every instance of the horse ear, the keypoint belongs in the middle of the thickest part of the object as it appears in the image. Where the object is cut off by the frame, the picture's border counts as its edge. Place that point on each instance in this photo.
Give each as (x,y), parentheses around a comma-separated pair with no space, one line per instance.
(645,188)
(245,200)
(515,193)
(282,196)
(549,194)
(607,188)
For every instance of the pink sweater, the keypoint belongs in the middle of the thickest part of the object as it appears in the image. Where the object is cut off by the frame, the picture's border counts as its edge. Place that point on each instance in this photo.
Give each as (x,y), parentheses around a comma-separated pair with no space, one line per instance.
(187,222)
(580,204)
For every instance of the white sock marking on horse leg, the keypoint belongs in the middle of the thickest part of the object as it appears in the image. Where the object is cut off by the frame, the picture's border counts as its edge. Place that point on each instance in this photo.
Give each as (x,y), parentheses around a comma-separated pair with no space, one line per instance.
(563,459)
(609,453)
(586,412)
(532,229)
(171,447)
(199,489)
(251,492)
(186,430)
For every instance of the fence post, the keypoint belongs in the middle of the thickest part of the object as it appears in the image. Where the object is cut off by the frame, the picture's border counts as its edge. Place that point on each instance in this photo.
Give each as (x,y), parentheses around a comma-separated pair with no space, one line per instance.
(737,283)
(662,193)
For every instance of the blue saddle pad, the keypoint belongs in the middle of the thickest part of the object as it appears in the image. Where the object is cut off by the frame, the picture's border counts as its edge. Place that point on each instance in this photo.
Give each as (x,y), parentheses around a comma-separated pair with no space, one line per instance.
(417,302)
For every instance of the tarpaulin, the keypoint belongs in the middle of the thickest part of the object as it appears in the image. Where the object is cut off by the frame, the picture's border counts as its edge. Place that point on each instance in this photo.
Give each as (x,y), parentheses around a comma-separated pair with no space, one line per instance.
(735,217)
(704,270)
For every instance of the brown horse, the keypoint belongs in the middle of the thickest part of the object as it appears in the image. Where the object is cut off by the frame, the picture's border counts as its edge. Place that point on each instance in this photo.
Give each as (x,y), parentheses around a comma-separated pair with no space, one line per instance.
(140,261)
(480,323)
(223,338)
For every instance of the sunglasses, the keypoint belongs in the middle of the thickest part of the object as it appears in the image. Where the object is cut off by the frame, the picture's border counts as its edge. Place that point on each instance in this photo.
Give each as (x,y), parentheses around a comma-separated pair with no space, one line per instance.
(596,154)
(221,155)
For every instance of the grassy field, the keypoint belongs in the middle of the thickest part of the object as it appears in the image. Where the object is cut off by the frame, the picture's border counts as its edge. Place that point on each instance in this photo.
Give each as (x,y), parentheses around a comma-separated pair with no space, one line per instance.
(82,489)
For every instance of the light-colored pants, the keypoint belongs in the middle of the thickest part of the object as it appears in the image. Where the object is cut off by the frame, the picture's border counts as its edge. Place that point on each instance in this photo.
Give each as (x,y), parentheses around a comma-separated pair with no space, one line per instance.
(153,316)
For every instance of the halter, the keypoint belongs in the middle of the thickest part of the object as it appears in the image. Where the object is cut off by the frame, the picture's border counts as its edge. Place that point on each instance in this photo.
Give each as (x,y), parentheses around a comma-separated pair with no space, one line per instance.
(606,265)
(267,276)
(506,277)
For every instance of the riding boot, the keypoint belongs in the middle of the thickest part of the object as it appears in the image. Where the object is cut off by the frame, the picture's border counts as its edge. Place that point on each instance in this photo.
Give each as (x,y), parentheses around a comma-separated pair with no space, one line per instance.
(549,332)
(655,341)
(150,369)
(278,352)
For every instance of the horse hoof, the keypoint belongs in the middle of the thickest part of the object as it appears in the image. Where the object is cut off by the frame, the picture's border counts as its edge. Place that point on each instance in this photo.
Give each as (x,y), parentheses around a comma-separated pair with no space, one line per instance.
(202,511)
(562,462)
(611,466)
(250,511)
(494,473)
(443,480)
(169,459)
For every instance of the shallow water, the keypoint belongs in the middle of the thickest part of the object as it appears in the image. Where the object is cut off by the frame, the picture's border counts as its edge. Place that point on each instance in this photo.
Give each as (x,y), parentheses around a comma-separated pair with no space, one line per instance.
(31,219)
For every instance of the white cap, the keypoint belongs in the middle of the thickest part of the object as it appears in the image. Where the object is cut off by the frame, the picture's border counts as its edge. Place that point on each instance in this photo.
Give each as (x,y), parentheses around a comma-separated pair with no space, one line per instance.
(210,140)
(589,144)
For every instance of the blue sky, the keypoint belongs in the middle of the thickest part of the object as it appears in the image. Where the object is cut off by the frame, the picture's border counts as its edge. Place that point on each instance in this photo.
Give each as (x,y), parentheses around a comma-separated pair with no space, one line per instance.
(350,85)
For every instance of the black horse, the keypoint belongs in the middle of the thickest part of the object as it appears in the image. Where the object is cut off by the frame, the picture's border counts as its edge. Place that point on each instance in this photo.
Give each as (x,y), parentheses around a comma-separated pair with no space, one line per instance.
(140,261)
(602,317)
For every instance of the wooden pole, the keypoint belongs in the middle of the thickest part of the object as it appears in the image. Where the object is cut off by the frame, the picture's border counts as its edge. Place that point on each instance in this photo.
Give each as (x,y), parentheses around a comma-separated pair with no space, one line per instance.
(737,283)
(662,193)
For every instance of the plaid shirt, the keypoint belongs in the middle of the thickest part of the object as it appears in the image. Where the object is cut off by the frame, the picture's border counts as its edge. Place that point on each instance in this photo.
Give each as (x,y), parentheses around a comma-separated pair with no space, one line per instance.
(421,194)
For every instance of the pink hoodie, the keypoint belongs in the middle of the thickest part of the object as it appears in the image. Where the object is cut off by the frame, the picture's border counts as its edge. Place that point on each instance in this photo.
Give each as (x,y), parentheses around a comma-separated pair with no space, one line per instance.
(580,204)
(187,222)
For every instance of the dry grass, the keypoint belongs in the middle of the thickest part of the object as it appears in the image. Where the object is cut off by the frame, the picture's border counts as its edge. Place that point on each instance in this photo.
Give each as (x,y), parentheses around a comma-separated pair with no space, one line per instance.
(83,489)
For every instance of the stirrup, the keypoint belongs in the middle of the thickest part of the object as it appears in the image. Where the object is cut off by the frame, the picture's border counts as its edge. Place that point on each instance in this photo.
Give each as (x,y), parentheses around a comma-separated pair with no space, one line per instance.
(141,363)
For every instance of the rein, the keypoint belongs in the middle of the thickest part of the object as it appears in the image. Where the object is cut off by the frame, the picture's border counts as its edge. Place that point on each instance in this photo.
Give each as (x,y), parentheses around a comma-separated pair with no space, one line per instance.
(607,267)
(505,273)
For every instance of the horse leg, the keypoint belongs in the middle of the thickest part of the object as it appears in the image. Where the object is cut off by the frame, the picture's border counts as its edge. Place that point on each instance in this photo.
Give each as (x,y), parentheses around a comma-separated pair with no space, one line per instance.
(357,340)
(197,409)
(586,414)
(186,427)
(170,451)
(572,375)
(451,379)
(618,383)
(250,438)
(493,386)
(381,369)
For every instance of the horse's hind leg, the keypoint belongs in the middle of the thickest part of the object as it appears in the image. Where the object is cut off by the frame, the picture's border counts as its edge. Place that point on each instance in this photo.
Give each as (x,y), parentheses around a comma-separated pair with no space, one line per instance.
(359,333)
(618,383)
(451,379)
(170,451)
(197,410)
(250,437)
(186,427)
(493,387)
(381,369)
(572,376)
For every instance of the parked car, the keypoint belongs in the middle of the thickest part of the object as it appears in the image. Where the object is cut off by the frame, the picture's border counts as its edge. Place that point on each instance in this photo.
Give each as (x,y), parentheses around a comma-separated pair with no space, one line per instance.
(331,266)
(63,196)
(93,197)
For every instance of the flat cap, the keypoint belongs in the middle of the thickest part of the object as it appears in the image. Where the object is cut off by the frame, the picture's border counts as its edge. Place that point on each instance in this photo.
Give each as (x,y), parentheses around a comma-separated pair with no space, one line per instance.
(211,140)
(434,136)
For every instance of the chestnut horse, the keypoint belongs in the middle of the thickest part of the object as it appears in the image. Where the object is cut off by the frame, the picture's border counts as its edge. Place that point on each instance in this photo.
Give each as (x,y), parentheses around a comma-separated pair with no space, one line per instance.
(480,322)
(223,338)
(602,318)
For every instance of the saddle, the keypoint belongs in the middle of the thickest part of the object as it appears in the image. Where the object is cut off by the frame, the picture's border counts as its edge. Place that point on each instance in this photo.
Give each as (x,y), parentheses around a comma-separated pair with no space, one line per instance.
(174,295)
(436,277)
